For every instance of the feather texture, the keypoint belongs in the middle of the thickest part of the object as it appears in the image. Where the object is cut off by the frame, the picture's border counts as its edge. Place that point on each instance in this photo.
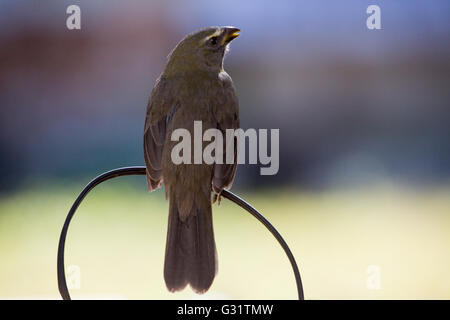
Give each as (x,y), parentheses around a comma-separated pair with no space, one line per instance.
(193,87)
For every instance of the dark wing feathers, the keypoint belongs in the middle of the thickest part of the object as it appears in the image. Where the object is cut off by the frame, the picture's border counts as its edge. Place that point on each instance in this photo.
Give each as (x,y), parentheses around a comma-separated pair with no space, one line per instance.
(155,131)
(226,113)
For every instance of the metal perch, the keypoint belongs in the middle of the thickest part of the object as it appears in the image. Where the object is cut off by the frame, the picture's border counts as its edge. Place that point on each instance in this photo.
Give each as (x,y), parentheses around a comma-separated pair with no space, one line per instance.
(139,170)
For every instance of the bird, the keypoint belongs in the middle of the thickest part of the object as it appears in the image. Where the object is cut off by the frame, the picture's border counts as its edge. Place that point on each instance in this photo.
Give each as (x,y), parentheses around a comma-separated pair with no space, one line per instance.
(192,87)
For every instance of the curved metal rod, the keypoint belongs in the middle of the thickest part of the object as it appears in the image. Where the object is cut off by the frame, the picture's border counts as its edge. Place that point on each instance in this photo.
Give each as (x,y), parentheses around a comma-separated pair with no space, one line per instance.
(243,204)
(140,170)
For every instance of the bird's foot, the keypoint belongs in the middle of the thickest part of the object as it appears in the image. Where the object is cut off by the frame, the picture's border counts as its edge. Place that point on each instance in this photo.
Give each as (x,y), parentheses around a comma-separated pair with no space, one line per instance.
(217,197)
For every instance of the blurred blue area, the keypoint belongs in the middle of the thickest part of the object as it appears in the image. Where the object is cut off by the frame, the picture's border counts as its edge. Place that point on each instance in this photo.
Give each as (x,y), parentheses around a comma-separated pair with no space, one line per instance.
(353,105)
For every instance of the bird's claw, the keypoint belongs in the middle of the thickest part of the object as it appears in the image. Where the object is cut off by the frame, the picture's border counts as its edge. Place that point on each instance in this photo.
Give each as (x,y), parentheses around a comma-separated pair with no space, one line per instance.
(217,197)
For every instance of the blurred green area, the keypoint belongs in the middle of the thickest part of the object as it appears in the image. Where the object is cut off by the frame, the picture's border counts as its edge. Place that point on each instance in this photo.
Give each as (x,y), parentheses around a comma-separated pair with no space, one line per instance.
(117,239)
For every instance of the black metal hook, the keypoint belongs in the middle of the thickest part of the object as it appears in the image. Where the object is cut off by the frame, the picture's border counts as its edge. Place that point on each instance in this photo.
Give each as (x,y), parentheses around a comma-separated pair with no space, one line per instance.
(140,170)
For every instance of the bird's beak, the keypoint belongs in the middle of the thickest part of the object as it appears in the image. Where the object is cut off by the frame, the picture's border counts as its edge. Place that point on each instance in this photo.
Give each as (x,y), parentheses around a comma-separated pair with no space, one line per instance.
(230,33)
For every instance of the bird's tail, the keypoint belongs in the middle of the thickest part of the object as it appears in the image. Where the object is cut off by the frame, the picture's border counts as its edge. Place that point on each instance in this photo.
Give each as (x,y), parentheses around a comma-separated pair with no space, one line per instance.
(190,249)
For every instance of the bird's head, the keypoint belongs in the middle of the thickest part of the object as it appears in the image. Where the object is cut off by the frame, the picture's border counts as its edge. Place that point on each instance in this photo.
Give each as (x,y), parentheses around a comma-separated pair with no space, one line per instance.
(201,50)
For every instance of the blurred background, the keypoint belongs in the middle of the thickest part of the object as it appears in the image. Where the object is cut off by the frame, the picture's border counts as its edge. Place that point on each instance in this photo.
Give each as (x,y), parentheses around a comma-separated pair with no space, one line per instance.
(363,191)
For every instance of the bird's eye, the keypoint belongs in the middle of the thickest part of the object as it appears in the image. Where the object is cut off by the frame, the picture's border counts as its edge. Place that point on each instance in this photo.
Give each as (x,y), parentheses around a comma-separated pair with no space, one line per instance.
(213,41)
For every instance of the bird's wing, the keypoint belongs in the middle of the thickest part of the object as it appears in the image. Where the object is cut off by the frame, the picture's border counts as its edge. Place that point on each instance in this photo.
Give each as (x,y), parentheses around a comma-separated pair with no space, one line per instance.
(158,108)
(226,113)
